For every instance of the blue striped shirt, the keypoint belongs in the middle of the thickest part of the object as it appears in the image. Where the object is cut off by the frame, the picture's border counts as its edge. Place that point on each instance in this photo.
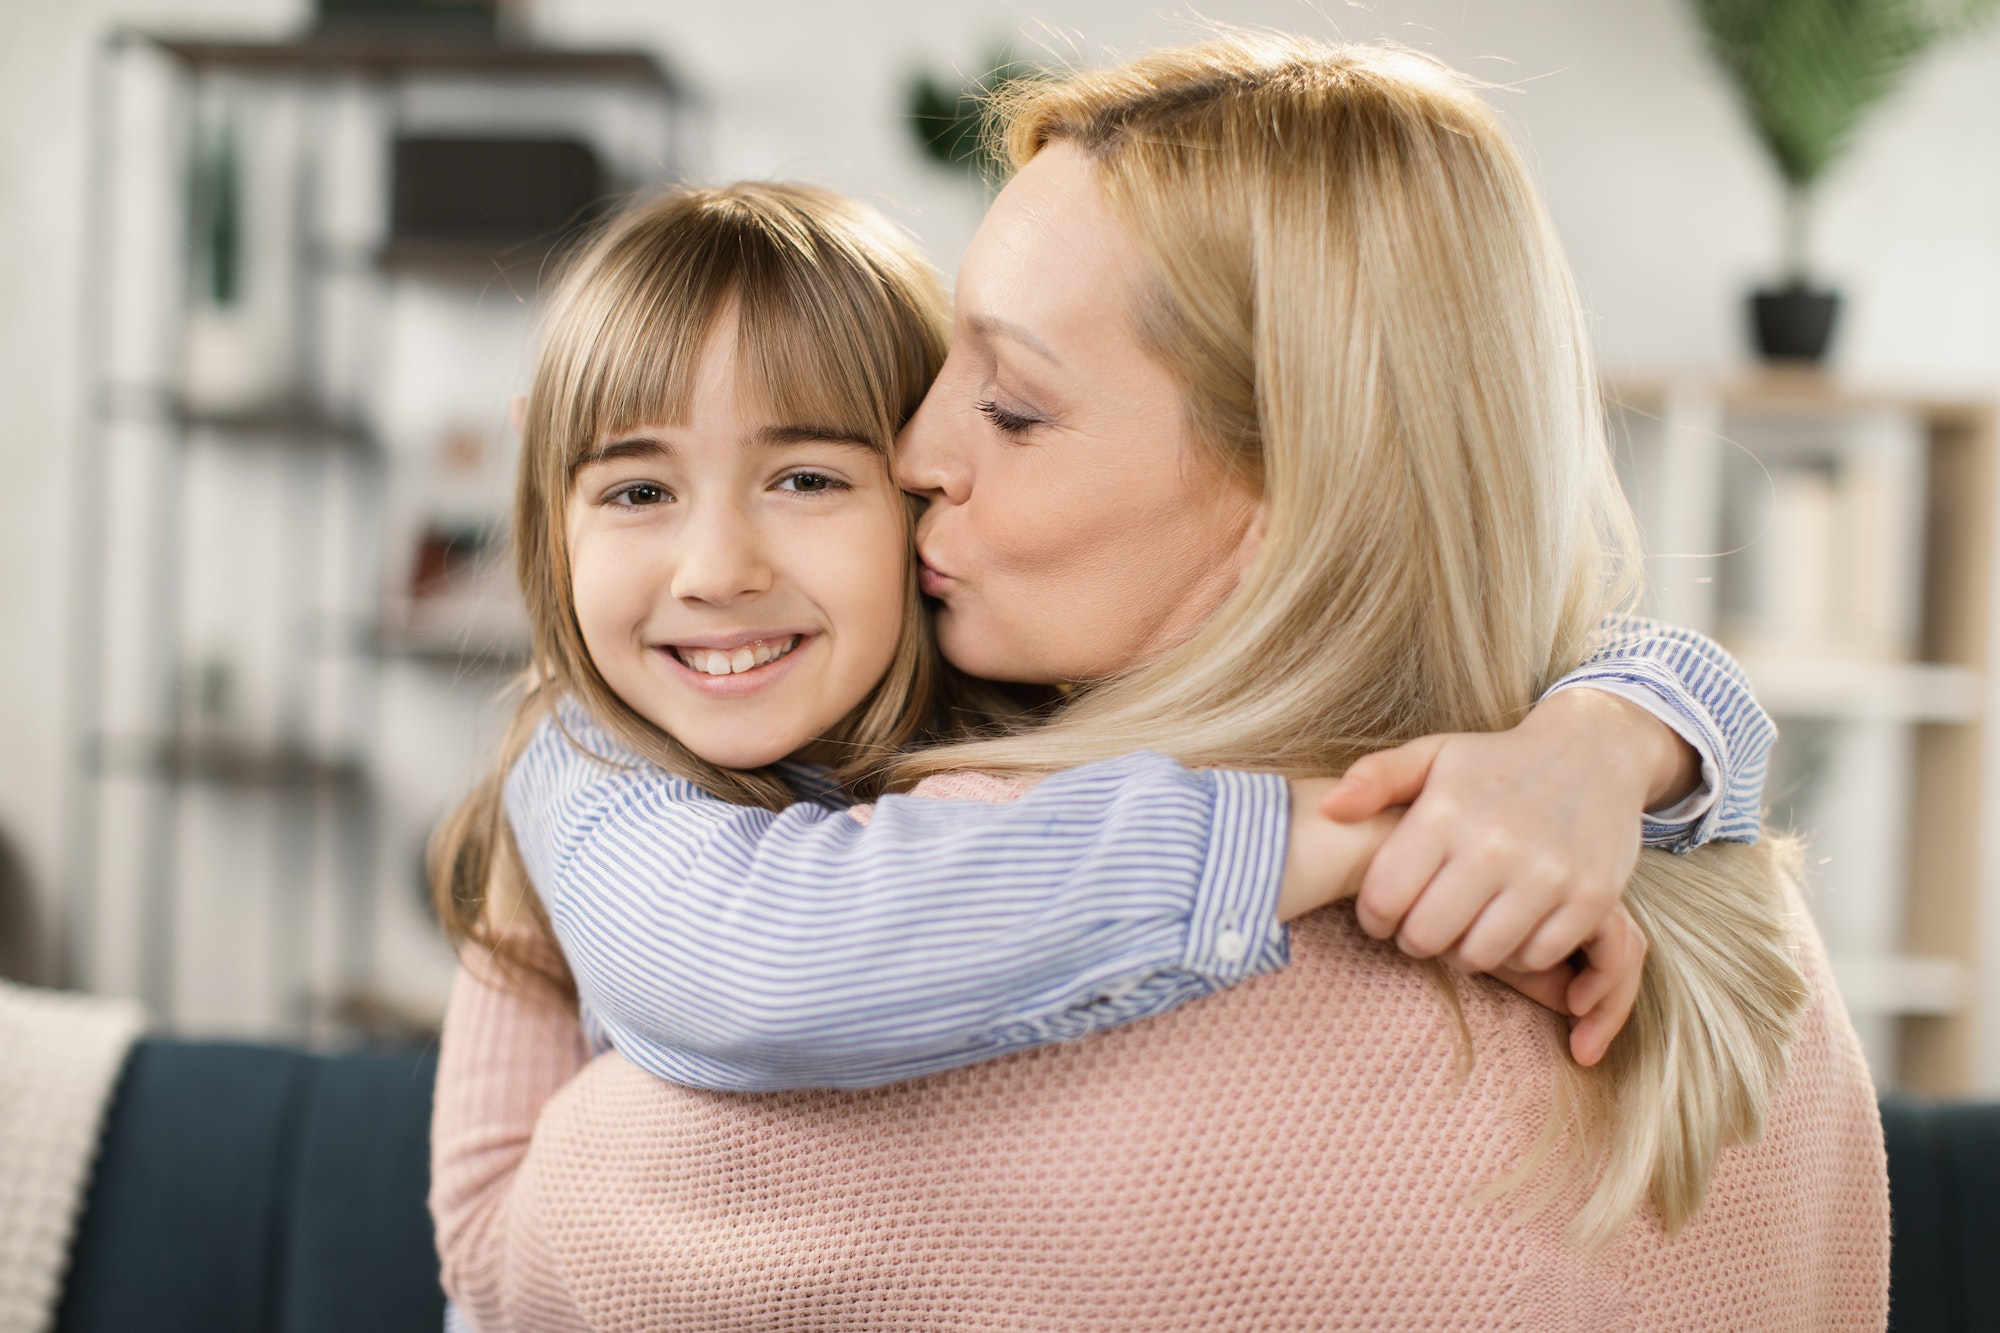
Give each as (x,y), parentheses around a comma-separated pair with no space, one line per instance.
(738,948)
(1690,683)
(742,949)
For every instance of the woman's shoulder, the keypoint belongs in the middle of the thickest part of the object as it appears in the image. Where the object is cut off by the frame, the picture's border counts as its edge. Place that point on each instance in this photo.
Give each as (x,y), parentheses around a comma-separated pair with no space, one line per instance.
(960,786)
(1795,1229)
(1204,1159)
(1186,1161)
(972,785)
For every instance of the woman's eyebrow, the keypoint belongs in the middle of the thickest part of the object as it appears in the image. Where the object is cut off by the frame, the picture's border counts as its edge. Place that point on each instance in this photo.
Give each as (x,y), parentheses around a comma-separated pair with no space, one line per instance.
(993,326)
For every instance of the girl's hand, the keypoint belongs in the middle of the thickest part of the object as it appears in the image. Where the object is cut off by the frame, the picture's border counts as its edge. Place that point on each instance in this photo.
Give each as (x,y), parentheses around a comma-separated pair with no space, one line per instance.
(1598,999)
(1326,860)
(1324,857)
(1518,844)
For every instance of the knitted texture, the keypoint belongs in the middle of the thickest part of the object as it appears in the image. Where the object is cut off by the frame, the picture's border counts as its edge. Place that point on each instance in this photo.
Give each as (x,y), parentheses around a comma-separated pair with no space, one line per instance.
(502,1056)
(59,1061)
(1303,1152)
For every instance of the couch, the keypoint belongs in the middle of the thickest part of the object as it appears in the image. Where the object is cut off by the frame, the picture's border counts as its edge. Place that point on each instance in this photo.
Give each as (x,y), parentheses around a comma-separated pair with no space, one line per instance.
(259,1188)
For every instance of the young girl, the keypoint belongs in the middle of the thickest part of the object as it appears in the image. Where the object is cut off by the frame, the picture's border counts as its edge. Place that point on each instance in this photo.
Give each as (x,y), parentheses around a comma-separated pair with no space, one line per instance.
(730,645)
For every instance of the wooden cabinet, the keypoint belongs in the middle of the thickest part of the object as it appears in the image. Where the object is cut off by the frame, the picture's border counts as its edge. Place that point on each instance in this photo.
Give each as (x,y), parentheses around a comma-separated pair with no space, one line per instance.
(1840,542)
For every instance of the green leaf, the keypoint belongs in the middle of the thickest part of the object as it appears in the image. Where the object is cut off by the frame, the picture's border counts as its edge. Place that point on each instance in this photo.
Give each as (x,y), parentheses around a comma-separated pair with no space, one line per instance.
(1808,71)
(950,121)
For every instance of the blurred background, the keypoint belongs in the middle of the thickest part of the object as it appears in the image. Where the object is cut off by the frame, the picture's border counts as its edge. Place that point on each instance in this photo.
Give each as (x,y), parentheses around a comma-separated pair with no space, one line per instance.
(268,274)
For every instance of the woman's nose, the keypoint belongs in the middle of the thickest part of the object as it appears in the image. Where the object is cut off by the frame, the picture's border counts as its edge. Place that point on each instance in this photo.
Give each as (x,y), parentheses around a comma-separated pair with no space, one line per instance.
(721,558)
(928,460)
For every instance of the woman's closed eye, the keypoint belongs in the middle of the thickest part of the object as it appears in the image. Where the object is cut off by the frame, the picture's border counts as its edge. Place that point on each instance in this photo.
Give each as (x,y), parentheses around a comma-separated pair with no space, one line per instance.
(1005,421)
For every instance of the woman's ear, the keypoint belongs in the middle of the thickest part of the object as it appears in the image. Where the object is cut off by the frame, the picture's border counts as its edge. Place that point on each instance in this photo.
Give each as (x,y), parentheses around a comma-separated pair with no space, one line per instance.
(517,413)
(1253,537)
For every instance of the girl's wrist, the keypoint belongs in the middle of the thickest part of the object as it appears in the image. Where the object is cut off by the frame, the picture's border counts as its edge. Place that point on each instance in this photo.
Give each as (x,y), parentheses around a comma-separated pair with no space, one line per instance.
(1667,768)
(1325,860)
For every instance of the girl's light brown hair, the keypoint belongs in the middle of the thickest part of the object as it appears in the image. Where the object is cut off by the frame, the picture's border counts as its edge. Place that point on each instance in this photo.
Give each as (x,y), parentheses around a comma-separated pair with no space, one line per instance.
(839,322)
(1354,279)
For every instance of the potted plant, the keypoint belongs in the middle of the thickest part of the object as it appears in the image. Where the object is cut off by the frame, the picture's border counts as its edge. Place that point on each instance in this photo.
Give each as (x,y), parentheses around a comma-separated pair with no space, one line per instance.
(1806,73)
(950,123)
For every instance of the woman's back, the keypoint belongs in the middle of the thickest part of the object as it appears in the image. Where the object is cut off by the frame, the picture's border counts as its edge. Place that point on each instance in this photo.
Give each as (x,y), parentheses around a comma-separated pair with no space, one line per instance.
(1303,1152)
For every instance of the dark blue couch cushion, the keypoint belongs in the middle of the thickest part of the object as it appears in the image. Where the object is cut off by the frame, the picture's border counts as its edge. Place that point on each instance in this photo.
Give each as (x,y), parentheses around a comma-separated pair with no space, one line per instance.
(259,1188)
(1944,1205)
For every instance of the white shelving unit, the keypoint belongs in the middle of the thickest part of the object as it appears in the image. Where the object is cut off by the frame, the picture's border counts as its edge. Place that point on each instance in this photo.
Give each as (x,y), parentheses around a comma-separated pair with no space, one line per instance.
(1840,543)
(280,682)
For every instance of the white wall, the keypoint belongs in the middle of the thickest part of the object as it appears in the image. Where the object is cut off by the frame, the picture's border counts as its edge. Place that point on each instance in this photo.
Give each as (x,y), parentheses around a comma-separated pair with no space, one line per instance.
(1666,203)
(45,59)
(1668,209)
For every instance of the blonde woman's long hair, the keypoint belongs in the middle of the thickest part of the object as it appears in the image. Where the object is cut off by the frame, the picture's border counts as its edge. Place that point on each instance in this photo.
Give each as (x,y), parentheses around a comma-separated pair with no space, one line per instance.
(841,323)
(1356,280)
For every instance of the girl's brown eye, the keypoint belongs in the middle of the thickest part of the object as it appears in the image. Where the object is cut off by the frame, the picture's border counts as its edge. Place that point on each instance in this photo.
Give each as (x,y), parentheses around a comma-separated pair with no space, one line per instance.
(639,493)
(810,483)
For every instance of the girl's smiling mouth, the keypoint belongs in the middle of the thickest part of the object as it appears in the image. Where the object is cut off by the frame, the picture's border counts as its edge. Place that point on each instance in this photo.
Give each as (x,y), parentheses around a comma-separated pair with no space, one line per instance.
(731,666)
(736,660)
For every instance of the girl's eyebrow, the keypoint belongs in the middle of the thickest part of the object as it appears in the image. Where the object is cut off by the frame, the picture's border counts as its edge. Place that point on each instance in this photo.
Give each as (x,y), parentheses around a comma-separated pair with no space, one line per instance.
(649,446)
(802,434)
(636,446)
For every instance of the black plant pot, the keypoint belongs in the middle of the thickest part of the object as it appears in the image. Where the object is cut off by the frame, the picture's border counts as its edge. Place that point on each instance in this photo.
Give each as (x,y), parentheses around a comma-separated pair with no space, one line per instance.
(1794,322)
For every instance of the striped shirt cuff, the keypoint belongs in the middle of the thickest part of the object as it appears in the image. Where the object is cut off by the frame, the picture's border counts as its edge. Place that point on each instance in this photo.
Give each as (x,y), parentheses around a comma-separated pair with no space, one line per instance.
(1708,792)
(1661,692)
(1233,926)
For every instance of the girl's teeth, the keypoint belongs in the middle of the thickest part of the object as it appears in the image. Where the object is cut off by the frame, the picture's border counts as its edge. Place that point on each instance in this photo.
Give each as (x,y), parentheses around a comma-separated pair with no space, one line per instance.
(714,662)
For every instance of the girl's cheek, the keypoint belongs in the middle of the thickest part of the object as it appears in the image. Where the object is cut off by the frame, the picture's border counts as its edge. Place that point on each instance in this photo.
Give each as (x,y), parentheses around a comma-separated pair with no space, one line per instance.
(589,595)
(877,574)
(607,585)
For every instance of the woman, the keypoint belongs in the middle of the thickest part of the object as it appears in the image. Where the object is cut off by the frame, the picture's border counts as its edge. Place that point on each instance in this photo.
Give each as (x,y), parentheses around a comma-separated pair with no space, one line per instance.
(1320,274)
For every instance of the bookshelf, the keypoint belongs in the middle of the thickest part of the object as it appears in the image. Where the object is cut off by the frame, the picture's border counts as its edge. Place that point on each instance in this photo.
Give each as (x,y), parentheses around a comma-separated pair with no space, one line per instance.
(1839,541)
(312,268)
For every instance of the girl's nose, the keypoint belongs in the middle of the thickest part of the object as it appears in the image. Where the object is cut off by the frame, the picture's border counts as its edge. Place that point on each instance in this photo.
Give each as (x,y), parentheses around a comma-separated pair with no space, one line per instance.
(721,558)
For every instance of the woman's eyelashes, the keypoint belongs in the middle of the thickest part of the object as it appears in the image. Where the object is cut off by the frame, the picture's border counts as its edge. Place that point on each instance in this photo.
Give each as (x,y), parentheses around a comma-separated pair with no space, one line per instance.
(1005,421)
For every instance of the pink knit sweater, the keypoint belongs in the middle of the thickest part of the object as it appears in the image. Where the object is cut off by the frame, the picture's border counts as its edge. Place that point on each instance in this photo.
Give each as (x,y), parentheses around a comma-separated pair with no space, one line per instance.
(1298,1153)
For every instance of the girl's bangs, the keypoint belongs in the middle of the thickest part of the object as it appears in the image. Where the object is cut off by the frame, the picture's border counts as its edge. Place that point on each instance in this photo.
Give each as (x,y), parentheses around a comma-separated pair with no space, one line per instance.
(636,357)
(819,341)
(804,370)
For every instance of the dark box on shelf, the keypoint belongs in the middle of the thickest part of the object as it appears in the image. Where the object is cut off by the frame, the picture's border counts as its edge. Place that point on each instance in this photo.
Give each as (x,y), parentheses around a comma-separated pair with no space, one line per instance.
(424,20)
(491,194)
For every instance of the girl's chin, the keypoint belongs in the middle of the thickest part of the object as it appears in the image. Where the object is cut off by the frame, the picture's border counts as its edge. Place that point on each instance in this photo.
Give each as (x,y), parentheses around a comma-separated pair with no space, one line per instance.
(734,754)
(714,737)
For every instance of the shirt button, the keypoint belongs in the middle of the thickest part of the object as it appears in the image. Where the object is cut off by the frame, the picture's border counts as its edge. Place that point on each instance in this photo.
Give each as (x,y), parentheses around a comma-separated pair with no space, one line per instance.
(1230,946)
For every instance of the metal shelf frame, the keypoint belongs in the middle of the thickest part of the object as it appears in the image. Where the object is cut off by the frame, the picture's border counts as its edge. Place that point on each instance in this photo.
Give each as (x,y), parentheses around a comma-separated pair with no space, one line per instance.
(323,805)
